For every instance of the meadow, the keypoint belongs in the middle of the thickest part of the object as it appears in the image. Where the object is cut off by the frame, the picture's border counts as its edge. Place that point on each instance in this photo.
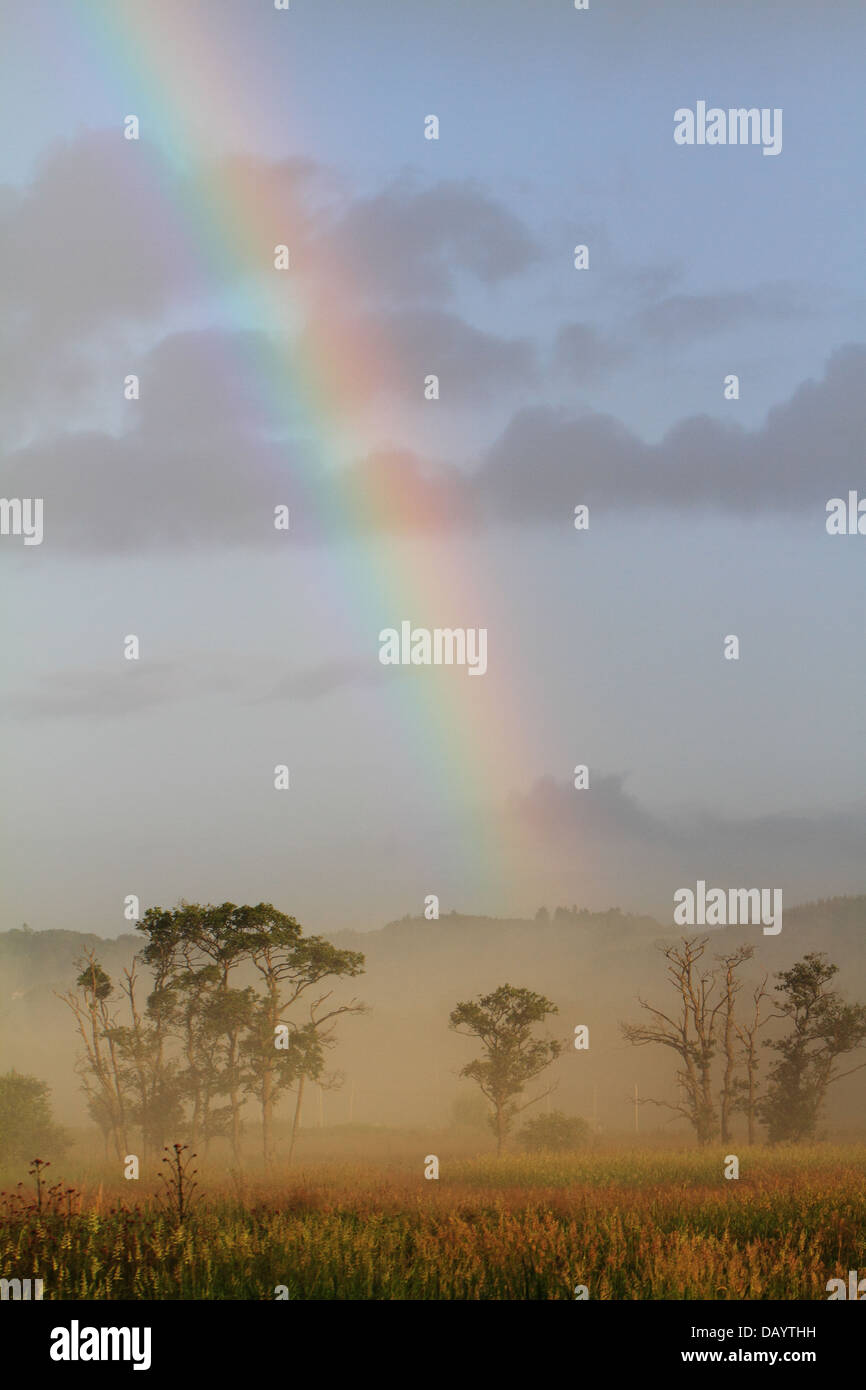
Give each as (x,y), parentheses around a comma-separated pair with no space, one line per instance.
(627,1223)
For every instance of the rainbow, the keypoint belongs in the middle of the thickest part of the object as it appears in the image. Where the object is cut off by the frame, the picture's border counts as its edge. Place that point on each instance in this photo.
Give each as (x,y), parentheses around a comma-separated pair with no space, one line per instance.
(176,74)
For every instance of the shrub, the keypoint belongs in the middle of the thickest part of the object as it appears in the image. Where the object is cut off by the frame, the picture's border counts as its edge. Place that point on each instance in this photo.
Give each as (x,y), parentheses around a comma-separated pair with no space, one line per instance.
(554,1133)
(26,1125)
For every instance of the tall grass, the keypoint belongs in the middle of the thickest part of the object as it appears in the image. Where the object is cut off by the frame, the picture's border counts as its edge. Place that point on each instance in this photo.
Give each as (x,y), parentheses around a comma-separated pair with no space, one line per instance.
(627,1225)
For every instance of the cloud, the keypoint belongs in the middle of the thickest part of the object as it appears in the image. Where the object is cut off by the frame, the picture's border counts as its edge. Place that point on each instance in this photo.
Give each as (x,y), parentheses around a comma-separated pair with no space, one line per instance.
(581,351)
(201,384)
(82,242)
(134,686)
(99,248)
(107,237)
(107,243)
(316,681)
(679,318)
(554,810)
(95,694)
(200,465)
(603,833)
(545,461)
(83,251)
(472,366)
(808,449)
(106,231)
(95,242)
(149,491)
(394,490)
(409,243)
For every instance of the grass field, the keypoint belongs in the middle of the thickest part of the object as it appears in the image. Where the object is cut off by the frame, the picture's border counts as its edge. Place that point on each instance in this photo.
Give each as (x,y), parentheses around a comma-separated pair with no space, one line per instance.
(628,1225)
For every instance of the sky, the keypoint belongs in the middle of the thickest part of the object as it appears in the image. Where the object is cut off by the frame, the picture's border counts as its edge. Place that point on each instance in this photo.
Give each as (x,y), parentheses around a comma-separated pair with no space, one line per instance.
(305,388)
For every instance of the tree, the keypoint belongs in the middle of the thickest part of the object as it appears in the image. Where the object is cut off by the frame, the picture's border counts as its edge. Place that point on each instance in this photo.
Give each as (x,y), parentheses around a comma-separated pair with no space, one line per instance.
(195,951)
(228,1035)
(104,1079)
(503,1021)
(731,986)
(290,967)
(185,987)
(187,1000)
(27,1129)
(150,1078)
(690,1033)
(823,1028)
(745,1092)
(211,935)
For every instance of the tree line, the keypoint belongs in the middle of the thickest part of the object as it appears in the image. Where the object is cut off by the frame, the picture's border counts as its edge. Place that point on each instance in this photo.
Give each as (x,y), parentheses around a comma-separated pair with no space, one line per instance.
(189,1056)
(713,1038)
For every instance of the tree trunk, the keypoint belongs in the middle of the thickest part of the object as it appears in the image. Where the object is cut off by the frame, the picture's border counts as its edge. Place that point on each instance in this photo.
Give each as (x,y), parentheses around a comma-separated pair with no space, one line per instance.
(707,1117)
(752,1062)
(268,1076)
(727,1079)
(296,1122)
(236,1124)
(235,1100)
(195,1129)
(267,1118)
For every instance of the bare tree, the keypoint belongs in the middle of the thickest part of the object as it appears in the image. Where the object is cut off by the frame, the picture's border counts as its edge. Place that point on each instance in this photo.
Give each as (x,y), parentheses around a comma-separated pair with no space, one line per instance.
(747,1034)
(104,1081)
(690,1032)
(731,986)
